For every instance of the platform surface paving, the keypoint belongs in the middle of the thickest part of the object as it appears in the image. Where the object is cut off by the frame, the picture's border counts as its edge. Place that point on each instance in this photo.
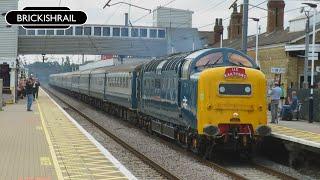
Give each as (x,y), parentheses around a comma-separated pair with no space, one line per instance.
(300,132)
(48,144)
(25,154)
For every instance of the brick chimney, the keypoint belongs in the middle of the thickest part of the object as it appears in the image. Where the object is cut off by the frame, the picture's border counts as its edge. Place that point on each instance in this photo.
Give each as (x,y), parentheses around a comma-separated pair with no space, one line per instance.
(217,30)
(235,25)
(275,15)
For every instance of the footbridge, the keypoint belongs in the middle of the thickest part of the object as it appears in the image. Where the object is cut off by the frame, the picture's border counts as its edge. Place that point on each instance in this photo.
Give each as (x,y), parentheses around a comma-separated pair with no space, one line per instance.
(108,39)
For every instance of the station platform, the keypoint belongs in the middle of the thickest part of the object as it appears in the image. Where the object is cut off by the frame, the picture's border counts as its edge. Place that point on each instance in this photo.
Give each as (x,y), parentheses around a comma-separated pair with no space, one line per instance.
(47,144)
(301,132)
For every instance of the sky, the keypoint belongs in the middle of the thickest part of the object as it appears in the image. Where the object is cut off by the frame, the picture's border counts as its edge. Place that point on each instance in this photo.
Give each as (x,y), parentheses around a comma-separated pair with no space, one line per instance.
(205,11)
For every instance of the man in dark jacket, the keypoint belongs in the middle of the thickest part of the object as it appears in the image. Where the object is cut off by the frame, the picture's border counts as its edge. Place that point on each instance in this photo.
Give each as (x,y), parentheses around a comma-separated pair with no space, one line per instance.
(36,89)
(29,93)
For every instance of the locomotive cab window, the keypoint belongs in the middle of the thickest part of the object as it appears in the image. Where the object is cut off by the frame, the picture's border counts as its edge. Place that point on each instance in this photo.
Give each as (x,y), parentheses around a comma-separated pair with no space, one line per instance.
(238,60)
(209,60)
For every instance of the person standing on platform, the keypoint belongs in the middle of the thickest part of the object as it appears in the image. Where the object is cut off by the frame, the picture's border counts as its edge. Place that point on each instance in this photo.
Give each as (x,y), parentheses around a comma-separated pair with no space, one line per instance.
(34,88)
(275,99)
(29,93)
(37,84)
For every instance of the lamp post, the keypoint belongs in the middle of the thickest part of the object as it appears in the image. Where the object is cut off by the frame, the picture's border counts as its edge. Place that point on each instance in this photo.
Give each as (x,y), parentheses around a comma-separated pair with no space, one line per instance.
(257,39)
(313,6)
(307,41)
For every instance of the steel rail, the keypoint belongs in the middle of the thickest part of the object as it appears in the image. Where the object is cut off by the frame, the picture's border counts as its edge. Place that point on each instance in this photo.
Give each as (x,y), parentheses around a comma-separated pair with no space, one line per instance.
(125,145)
(163,171)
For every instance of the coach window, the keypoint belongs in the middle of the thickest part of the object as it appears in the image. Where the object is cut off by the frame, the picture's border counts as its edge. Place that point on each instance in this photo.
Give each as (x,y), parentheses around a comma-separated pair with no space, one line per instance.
(60,32)
(22,31)
(238,60)
(116,31)
(153,33)
(124,32)
(41,32)
(69,31)
(161,33)
(87,31)
(106,31)
(50,32)
(143,32)
(31,32)
(97,31)
(79,31)
(134,32)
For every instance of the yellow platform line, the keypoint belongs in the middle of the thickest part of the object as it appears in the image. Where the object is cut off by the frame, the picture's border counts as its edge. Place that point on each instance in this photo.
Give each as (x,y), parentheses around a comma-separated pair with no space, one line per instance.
(53,154)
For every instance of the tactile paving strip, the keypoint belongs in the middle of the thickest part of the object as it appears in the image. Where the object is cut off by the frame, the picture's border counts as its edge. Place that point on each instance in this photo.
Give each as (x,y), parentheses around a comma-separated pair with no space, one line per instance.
(299,136)
(77,157)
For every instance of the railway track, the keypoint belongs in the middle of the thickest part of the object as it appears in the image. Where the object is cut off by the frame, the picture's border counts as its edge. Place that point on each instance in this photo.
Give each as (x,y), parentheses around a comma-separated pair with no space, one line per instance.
(242,172)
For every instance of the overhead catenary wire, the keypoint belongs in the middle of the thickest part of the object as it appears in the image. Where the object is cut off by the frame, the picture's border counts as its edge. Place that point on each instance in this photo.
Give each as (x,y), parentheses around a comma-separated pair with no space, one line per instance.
(138,19)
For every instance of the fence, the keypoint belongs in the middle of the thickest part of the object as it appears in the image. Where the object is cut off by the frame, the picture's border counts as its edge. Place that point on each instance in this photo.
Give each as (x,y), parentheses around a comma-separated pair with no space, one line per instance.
(303,96)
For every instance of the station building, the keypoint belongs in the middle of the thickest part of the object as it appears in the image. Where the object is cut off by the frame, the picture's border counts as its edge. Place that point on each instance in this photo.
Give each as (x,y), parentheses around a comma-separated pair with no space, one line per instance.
(8,49)
(281,51)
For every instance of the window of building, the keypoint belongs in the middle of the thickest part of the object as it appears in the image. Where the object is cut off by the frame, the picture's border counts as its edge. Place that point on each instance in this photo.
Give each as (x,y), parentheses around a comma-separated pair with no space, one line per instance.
(134,32)
(106,31)
(153,33)
(60,32)
(87,31)
(31,32)
(79,31)
(22,31)
(116,32)
(50,32)
(143,32)
(97,31)
(41,32)
(161,33)
(69,31)
(124,32)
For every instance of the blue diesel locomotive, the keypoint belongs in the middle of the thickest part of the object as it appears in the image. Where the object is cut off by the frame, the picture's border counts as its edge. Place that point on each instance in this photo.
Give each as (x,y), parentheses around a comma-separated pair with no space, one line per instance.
(201,99)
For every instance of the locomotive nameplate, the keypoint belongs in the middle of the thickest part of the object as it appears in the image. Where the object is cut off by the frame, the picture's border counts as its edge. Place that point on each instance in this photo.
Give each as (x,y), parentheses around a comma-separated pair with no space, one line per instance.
(235,72)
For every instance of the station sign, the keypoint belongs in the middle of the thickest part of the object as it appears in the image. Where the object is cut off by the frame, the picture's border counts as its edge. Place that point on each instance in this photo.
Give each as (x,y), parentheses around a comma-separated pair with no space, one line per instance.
(316,56)
(278,70)
(235,72)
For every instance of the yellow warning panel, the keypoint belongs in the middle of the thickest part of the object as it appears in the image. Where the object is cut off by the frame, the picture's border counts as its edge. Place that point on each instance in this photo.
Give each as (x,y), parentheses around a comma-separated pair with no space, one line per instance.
(45,161)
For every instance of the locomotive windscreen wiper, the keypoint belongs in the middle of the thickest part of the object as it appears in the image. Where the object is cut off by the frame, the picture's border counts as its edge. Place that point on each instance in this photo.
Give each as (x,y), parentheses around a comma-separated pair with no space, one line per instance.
(237,64)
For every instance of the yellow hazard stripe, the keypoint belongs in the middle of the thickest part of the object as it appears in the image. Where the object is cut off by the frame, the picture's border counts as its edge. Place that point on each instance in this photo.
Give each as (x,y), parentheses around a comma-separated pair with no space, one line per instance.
(53,154)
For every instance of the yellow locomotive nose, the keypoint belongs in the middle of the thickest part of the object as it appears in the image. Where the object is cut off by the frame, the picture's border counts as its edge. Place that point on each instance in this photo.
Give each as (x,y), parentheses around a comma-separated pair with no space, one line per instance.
(232,98)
